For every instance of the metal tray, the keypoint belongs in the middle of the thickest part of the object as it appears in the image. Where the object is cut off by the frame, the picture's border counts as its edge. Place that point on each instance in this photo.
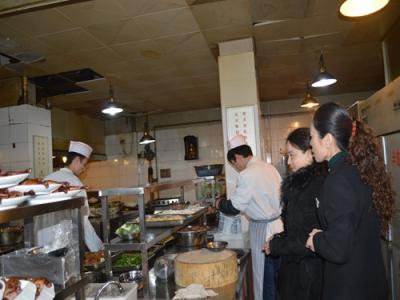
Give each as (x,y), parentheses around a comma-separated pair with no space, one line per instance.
(170,223)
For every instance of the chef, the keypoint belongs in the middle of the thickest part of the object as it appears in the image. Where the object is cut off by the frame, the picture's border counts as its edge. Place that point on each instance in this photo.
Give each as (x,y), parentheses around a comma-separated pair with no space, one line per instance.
(77,158)
(257,195)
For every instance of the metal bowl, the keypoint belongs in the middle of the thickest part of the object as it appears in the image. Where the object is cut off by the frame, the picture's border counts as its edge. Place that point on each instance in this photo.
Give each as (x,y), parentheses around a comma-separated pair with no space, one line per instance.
(130,237)
(131,276)
(209,170)
(216,246)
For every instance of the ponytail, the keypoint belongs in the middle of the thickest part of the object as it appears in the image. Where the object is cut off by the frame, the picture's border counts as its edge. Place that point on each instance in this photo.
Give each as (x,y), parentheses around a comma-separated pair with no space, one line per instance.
(366,155)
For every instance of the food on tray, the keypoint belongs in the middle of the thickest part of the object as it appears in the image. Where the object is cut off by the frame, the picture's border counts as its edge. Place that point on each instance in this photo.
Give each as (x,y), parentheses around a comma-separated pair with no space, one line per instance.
(189,210)
(128,260)
(12,173)
(193,229)
(4,194)
(163,218)
(14,286)
(178,206)
(41,283)
(93,258)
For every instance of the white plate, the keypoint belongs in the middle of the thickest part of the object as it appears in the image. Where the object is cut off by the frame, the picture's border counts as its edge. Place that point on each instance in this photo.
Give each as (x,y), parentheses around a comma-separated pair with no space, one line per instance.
(8,202)
(47,293)
(7,181)
(39,189)
(28,291)
(54,197)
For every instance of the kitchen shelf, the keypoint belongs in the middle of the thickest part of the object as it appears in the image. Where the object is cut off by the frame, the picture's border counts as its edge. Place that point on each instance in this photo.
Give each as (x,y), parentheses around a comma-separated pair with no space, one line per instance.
(30,210)
(148,236)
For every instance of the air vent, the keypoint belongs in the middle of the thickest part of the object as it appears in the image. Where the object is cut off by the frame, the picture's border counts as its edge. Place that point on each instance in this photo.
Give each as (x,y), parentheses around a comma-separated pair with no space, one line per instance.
(63,83)
(199,2)
(82,75)
(7,60)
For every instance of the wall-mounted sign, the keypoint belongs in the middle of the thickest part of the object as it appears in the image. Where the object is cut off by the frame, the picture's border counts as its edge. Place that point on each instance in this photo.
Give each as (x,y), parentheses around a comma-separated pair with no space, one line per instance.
(241,120)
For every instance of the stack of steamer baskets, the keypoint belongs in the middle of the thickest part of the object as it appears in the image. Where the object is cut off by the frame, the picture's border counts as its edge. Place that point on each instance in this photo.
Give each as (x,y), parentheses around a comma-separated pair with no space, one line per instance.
(214,270)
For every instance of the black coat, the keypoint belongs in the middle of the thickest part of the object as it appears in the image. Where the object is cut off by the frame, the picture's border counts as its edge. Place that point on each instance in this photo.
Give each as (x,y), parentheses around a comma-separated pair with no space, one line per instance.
(350,242)
(300,274)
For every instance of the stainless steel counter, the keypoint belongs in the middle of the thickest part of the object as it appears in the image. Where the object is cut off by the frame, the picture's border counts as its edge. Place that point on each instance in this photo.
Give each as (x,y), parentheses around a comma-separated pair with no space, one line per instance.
(161,289)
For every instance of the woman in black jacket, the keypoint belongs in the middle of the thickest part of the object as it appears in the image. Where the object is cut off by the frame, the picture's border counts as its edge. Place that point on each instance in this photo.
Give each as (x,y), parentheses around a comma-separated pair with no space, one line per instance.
(355,205)
(300,273)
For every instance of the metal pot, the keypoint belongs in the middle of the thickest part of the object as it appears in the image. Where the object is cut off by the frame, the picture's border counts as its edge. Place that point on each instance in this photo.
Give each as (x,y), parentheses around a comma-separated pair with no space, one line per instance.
(191,238)
(11,235)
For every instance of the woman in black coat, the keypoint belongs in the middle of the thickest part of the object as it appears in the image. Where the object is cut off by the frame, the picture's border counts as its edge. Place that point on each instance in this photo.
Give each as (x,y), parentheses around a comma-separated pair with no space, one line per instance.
(300,273)
(355,206)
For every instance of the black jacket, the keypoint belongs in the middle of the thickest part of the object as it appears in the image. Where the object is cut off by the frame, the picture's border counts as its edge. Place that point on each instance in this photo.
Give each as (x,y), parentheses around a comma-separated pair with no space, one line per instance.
(350,241)
(300,273)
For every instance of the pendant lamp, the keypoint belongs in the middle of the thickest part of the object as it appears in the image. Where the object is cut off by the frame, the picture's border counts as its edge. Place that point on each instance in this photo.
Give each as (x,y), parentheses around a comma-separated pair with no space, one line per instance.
(361,8)
(309,101)
(146,138)
(111,108)
(323,78)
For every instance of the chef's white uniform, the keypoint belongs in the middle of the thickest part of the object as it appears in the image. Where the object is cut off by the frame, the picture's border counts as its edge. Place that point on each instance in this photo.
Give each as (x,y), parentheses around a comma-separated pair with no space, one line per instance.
(257,195)
(92,241)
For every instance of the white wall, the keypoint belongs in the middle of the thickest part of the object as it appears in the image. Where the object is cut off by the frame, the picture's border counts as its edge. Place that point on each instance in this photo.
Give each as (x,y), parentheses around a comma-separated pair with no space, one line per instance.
(18,126)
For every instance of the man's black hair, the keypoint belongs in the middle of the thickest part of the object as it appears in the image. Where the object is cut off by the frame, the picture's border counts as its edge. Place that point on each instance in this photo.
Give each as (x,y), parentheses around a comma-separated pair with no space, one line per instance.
(243,150)
(72,155)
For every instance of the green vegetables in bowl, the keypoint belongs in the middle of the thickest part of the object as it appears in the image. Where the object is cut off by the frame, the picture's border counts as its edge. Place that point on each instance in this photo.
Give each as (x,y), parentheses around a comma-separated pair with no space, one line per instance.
(128,231)
(128,260)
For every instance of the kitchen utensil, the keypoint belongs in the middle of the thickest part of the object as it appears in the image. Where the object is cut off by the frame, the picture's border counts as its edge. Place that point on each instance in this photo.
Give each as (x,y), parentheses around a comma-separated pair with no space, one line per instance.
(190,236)
(164,266)
(216,245)
(11,235)
(209,170)
(131,276)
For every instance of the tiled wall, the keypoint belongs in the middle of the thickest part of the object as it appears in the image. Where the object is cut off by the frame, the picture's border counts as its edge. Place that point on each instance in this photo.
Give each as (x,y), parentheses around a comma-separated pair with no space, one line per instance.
(171,152)
(18,125)
(277,130)
(121,168)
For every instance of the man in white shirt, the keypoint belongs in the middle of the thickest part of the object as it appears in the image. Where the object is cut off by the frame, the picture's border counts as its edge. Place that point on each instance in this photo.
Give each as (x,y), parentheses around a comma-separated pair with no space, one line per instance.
(257,195)
(77,158)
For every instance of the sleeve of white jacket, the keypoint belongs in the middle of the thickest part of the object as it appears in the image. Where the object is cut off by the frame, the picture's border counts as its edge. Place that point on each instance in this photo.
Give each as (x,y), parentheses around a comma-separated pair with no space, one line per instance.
(242,197)
(92,241)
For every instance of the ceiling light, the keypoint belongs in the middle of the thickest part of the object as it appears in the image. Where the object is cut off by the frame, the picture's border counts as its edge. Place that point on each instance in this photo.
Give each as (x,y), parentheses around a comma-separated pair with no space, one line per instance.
(146,138)
(323,78)
(309,101)
(361,8)
(111,108)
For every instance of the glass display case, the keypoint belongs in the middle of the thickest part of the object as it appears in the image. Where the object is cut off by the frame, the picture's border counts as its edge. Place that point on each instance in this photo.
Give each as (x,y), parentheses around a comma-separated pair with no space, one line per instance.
(209,188)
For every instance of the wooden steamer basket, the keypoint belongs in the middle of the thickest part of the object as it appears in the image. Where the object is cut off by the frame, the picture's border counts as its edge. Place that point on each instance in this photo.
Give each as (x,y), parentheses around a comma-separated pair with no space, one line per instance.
(214,270)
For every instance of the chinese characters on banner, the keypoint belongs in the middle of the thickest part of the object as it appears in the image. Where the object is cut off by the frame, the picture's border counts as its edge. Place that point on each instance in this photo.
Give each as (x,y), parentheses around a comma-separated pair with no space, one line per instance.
(241,120)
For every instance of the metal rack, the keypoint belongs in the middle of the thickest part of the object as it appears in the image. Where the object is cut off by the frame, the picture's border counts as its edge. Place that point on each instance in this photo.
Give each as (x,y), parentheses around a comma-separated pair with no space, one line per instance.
(28,211)
(148,236)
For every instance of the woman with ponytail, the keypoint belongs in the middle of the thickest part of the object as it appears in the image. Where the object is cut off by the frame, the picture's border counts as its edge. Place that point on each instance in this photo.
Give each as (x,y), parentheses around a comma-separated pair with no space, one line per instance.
(355,206)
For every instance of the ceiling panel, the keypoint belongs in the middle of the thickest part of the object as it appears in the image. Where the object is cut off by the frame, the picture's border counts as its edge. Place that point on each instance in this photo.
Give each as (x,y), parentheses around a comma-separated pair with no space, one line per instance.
(74,40)
(170,22)
(222,14)
(40,22)
(142,7)
(116,32)
(93,12)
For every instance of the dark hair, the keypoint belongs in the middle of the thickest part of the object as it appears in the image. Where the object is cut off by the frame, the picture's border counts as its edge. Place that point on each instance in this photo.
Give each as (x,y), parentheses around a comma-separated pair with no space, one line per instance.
(334,119)
(300,138)
(71,156)
(364,153)
(243,150)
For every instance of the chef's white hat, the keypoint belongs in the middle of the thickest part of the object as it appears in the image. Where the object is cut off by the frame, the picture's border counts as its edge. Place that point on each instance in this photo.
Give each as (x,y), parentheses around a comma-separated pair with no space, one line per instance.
(236,141)
(80,148)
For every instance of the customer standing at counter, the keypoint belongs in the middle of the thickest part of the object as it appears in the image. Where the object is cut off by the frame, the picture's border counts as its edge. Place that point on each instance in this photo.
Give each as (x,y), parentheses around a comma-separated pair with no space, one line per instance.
(300,272)
(257,196)
(356,195)
(77,158)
